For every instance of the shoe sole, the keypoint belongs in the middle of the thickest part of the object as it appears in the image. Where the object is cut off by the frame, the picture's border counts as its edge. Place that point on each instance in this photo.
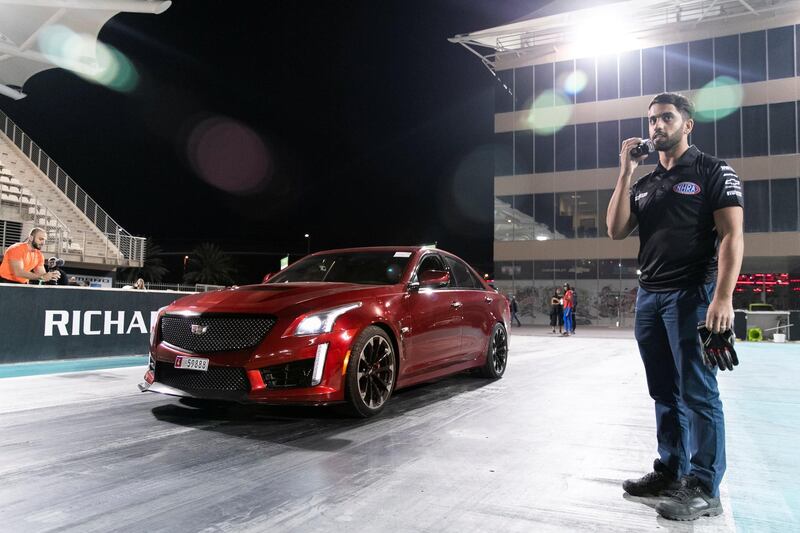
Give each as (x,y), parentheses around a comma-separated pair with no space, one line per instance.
(689,518)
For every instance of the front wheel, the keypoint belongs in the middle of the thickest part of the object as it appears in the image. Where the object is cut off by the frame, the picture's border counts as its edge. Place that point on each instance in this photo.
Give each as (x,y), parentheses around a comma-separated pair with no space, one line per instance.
(496,354)
(371,372)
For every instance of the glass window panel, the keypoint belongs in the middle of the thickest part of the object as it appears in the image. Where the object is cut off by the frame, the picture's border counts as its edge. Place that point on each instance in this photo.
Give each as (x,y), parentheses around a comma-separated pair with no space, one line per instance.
(753,49)
(545,145)
(701,63)
(503,154)
(523,219)
(544,215)
(563,72)
(608,144)
(586,145)
(780,52)
(630,74)
(782,124)
(523,270)
(523,88)
(629,268)
(504,218)
(609,268)
(629,127)
(703,137)
(564,270)
(504,270)
(756,205)
(565,148)
(543,270)
(729,140)
(565,215)
(543,81)
(504,84)
(607,79)
(586,66)
(653,70)
(677,66)
(754,130)
(523,152)
(784,204)
(603,199)
(726,56)
(797,58)
(586,269)
(586,214)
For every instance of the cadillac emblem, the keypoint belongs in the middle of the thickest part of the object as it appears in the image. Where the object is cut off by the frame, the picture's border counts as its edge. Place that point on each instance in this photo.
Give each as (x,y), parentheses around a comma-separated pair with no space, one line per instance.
(199,329)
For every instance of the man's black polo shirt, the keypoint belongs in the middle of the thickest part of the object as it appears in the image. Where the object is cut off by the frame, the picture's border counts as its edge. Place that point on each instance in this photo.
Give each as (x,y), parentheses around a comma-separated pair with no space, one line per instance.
(675,209)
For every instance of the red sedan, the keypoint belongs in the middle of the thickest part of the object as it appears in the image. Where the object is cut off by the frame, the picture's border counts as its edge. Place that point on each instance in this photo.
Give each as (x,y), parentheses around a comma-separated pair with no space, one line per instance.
(338,326)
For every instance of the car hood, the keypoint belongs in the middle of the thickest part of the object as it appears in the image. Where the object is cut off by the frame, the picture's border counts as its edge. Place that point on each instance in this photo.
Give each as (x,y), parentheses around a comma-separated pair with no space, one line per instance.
(274,298)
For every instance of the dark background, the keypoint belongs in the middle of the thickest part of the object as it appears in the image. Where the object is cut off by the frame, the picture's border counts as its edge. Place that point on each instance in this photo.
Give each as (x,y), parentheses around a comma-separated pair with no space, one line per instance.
(378,129)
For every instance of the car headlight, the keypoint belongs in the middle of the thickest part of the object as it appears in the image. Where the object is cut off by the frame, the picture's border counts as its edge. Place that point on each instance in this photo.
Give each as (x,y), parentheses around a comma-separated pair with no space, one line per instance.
(322,322)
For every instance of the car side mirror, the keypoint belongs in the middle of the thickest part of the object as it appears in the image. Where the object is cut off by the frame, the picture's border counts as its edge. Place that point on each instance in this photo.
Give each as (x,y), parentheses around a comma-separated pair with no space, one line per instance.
(434,278)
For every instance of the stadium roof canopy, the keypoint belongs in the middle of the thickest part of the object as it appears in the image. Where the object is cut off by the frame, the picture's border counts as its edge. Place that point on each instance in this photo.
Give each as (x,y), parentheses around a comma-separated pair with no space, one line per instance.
(37,35)
(596,24)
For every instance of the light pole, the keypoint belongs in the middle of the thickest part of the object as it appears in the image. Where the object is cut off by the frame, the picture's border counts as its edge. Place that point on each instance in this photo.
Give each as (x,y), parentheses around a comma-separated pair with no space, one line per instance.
(308,243)
(185,260)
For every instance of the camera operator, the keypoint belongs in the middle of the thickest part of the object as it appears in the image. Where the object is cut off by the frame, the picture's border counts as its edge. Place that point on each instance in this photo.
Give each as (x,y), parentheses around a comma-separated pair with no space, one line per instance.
(689,211)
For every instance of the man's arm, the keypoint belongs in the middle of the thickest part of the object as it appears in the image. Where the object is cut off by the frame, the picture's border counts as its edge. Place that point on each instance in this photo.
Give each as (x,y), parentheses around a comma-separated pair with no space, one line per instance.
(18,268)
(619,219)
(729,222)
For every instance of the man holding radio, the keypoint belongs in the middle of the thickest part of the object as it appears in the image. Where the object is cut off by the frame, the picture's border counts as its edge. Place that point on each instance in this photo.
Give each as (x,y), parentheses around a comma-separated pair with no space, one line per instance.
(690,218)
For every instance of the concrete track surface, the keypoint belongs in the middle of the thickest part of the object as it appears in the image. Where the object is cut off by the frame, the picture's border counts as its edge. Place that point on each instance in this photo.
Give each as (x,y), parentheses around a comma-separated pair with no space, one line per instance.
(543,449)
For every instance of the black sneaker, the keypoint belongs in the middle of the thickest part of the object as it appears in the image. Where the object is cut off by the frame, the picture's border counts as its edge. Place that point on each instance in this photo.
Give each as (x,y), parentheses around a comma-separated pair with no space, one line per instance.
(690,502)
(659,482)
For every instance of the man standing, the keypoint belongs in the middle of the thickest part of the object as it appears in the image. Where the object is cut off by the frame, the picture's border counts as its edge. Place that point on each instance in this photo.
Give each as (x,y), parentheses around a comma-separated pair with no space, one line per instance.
(569,316)
(514,308)
(24,261)
(689,211)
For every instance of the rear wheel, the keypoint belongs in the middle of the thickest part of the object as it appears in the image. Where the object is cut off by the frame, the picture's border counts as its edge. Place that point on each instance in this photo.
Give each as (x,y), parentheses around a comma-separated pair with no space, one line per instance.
(371,372)
(496,354)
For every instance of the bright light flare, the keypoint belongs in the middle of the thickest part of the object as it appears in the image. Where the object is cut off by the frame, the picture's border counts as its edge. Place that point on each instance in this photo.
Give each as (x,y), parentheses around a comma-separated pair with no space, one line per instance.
(551,111)
(717,99)
(575,82)
(605,34)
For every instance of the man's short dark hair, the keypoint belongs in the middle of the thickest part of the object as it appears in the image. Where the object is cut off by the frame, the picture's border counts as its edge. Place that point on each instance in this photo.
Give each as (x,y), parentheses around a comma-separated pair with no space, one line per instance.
(684,106)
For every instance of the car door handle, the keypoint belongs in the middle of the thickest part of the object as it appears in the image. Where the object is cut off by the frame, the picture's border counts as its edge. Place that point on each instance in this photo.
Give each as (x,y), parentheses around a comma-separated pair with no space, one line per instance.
(456,304)
(488,300)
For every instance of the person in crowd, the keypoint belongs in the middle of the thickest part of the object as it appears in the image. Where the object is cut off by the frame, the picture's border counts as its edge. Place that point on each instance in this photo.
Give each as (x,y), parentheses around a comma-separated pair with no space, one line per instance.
(73,282)
(556,312)
(514,307)
(55,264)
(139,285)
(689,211)
(574,309)
(23,262)
(568,315)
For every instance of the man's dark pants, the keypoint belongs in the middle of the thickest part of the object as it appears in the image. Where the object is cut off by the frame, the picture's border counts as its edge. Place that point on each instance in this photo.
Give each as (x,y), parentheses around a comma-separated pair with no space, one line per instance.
(689,421)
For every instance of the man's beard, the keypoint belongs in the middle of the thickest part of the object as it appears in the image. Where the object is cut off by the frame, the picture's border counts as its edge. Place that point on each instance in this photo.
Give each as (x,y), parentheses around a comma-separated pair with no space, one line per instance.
(36,245)
(665,144)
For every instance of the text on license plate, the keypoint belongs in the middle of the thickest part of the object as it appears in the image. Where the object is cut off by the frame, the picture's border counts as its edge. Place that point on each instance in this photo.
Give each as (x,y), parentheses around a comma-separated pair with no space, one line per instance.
(191,363)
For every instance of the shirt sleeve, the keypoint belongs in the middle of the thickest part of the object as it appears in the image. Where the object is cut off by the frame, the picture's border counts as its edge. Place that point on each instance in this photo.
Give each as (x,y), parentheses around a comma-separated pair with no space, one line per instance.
(724,187)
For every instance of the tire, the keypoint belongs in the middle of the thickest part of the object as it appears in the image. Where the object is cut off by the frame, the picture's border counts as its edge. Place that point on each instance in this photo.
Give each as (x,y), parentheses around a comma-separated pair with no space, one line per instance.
(371,373)
(496,354)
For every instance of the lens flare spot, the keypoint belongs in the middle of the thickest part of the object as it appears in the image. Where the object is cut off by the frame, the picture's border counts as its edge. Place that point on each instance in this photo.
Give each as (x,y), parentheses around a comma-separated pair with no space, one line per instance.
(575,82)
(717,99)
(550,112)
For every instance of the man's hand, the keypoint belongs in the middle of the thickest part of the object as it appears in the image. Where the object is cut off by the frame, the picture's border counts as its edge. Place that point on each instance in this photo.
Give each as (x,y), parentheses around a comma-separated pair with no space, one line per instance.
(628,163)
(719,316)
(50,276)
(718,349)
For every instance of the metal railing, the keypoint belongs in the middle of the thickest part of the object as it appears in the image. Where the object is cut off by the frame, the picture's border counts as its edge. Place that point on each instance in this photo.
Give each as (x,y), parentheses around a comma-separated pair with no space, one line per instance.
(130,247)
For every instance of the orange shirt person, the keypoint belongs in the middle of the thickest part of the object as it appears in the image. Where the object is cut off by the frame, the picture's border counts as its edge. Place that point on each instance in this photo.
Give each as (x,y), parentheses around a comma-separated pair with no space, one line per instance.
(24,261)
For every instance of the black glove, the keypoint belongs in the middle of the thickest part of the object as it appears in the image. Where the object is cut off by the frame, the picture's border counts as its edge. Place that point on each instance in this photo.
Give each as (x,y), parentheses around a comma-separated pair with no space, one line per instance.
(717,348)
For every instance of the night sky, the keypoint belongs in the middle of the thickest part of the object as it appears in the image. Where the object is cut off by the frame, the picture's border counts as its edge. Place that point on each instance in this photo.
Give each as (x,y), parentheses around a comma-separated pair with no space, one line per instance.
(354,121)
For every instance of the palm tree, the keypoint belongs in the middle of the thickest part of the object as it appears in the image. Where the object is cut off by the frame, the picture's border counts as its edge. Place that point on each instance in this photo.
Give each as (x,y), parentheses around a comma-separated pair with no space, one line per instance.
(152,269)
(209,264)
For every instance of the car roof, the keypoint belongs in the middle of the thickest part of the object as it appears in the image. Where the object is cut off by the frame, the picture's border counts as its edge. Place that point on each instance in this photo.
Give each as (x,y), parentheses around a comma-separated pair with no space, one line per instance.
(375,249)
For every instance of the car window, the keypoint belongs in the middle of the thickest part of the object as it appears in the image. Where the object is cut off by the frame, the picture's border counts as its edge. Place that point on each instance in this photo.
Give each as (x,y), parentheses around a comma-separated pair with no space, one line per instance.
(430,262)
(463,278)
(370,268)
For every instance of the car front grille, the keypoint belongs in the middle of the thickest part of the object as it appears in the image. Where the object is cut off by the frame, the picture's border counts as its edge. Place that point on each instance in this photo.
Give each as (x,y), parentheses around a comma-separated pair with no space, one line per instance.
(216,378)
(294,374)
(206,334)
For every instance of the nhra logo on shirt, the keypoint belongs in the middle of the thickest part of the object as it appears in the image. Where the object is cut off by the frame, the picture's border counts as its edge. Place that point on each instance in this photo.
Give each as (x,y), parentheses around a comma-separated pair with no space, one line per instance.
(686,187)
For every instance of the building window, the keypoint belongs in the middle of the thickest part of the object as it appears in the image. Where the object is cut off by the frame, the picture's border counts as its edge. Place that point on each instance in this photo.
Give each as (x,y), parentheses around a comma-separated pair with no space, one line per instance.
(545,145)
(543,81)
(564,270)
(586,145)
(504,270)
(753,47)
(586,269)
(586,66)
(523,219)
(607,78)
(565,148)
(677,66)
(729,136)
(586,214)
(544,216)
(503,154)
(630,74)
(653,70)
(608,144)
(565,215)
(543,270)
(784,204)
(756,206)
(726,56)
(629,128)
(523,88)
(523,152)
(780,52)
(703,137)
(503,87)
(782,124)
(754,130)
(603,199)
(564,75)
(504,218)
(701,63)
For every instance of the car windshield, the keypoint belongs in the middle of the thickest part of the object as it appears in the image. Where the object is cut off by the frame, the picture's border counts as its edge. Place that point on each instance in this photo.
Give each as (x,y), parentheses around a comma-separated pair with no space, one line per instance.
(368,268)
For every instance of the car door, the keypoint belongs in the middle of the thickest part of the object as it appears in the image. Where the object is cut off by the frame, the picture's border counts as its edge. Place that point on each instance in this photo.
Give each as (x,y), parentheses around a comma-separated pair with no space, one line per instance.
(475,306)
(434,336)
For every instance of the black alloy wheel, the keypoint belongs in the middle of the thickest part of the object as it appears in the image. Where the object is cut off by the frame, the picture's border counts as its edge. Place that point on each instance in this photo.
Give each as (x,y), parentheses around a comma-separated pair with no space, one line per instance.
(371,372)
(496,353)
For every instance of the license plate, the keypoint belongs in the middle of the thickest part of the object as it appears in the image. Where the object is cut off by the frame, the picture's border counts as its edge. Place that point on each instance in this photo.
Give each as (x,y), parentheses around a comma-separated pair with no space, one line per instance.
(191,363)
